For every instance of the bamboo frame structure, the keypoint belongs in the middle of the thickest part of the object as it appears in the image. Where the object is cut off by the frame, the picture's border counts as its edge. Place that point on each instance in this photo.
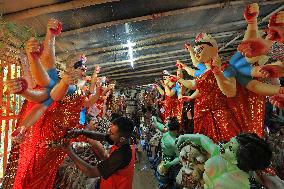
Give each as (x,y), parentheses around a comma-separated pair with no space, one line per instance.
(10,104)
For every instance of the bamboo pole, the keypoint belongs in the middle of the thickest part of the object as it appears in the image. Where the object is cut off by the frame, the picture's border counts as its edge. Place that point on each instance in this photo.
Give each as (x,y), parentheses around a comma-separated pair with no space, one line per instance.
(5,158)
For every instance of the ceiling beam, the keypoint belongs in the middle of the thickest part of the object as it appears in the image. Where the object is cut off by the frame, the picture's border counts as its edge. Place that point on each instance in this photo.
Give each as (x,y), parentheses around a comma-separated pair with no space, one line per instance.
(144,41)
(155,42)
(129,82)
(147,62)
(118,63)
(141,75)
(108,51)
(122,71)
(146,65)
(142,71)
(189,34)
(163,14)
(59,7)
(269,15)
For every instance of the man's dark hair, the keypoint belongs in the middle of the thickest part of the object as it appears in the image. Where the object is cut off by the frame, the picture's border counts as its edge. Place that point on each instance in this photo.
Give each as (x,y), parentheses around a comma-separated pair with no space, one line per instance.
(125,126)
(173,124)
(253,152)
(114,116)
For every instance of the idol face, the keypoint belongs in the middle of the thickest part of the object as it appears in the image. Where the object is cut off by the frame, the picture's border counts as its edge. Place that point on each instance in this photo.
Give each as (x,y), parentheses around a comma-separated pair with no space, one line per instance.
(192,159)
(204,52)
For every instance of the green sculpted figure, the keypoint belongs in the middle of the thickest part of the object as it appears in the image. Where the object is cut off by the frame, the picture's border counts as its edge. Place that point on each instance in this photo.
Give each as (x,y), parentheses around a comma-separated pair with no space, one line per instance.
(229,164)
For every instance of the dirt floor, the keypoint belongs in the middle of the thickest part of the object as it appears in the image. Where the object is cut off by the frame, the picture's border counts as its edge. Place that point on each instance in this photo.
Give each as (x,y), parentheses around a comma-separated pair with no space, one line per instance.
(144,176)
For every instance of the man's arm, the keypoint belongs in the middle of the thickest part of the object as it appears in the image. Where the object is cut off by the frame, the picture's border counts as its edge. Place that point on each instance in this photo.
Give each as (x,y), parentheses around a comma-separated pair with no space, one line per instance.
(89,134)
(99,150)
(87,169)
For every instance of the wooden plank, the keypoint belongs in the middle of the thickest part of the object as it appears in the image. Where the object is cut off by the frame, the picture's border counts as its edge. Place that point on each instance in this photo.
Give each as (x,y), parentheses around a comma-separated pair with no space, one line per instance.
(59,7)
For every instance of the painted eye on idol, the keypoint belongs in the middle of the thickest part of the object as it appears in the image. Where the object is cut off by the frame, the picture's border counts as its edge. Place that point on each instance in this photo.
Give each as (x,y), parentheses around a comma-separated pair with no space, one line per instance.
(198,50)
(78,64)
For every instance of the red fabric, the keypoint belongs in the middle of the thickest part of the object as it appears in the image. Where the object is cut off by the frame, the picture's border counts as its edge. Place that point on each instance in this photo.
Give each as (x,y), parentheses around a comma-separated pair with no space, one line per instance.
(248,108)
(162,105)
(100,106)
(212,115)
(11,168)
(15,149)
(173,108)
(122,179)
(38,162)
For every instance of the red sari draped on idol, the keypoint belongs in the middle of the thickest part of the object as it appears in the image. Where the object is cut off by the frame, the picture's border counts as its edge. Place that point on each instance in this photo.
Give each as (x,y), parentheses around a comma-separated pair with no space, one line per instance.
(162,109)
(173,107)
(38,162)
(212,115)
(178,106)
(100,106)
(249,109)
(15,149)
